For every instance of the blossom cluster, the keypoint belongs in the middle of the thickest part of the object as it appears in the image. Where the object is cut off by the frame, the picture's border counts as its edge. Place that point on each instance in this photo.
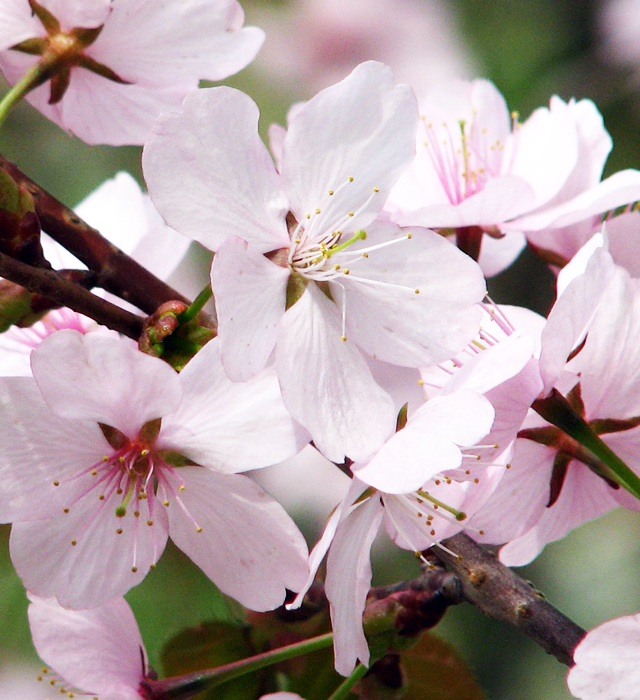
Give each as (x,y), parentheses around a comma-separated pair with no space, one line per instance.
(348,276)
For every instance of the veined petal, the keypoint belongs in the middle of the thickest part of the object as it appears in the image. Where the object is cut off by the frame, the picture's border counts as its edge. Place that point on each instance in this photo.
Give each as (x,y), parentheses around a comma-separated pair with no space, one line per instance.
(544,150)
(326,383)
(348,582)
(248,546)
(157,44)
(226,426)
(38,449)
(98,378)
(250,293)
(429,443)
(93,650)
(90,555)
(346,147)
(210,175)
(411,303)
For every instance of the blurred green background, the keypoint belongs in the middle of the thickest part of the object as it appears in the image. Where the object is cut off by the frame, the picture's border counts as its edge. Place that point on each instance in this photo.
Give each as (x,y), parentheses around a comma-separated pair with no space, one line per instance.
(531,50)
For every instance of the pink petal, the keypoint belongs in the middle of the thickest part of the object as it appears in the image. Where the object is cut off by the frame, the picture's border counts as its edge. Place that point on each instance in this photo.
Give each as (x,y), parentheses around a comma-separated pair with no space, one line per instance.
(250,293)
(176,42)
(230,427)
(348,581)
(17,23)
(210,175)
(79,13)
(102,565)
(384,314)
(362,128)
(39,448)
(102,379)
(497,254)
(544,150)
(606,662)
(316,368)
(248,546)
(429,443)
(94,650)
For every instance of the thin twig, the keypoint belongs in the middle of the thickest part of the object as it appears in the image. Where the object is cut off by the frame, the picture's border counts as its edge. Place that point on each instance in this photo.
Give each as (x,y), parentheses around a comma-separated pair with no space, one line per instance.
(50,284)
(500,593)
(115,271)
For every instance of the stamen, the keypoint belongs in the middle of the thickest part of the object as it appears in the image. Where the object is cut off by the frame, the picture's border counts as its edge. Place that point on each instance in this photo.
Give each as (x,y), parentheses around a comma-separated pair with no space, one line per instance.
(458,514)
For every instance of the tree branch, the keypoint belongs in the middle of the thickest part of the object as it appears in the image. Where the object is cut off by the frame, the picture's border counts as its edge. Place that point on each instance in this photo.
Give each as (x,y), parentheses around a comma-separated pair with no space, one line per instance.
(115,271)
(500,593)
(50,284)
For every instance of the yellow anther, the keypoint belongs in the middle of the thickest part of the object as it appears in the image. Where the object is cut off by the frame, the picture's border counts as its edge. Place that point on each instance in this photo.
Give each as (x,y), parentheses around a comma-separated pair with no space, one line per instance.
(351,213)
(121,460)
(317,211)
(144,452)
(345,270)
(421,382)
(56,483)
(152,567)
(350,179)
(149,523)
(134,569)
(416,291)
(105,459)
(307,216)
(136,513)
(119,531)
(365,255)
(409,235)
(165,503)
(73,543)
(343,337)
(336,267)
(198,529)
(330,192)
(101,497)
(181,488)
(94,472)
(65,510)
(376,189)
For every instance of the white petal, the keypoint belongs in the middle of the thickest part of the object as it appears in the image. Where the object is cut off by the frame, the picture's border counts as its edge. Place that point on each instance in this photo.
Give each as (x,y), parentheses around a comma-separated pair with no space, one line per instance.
(429,443)
(384,314)
(94,377)
(91,649)
(250,293)
(210,175)
(348,581)
(326,383)
(248,546)
(361,128)
(227,426)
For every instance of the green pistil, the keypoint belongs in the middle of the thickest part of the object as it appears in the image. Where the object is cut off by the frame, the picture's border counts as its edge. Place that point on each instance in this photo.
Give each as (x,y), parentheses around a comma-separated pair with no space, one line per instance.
(457,514)
(121,510)
(357,236)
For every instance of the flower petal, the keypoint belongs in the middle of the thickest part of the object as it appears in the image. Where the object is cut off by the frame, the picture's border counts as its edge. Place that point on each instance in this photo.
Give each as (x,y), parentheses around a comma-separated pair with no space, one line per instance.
(227,426)
(326,383)
(250,293)
(97,378)
(248,546)
(350,138)
(210,175)
(102,564)
(348,581)
(93,650)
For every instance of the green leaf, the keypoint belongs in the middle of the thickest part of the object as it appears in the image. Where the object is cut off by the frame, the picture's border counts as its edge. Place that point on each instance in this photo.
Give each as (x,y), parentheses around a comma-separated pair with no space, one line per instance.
(208,645)
(434,671)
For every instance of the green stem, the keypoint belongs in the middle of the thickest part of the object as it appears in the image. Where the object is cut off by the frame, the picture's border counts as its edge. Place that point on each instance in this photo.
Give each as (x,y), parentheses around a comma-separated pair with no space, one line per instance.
(196,307)
(557,410)
(343,690)
(186,686)
(33,78)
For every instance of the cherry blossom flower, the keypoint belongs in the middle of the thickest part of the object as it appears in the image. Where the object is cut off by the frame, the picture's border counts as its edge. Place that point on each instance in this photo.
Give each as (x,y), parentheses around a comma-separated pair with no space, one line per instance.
(479,170)
(120,64)
(107,466)
(607,662)
(97,651)
(323,294)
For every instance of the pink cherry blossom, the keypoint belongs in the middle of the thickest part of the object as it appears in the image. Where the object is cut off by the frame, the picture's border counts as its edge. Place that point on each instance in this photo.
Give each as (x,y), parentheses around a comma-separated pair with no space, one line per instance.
(152,53)
(405,297)
(96,651)
(477,166)
(607,662)
(117,452)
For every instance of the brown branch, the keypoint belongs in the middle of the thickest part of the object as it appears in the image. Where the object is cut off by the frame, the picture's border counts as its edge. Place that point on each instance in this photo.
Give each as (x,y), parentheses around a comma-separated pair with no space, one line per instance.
(115,271)
(50,284)
(500,593)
